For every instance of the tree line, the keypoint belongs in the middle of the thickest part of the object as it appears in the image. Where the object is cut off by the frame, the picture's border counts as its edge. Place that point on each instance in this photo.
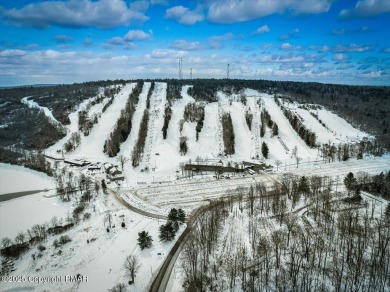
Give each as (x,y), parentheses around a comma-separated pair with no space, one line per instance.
(195,112)
(124,123)
(308,136)
(139,146)
(228,134)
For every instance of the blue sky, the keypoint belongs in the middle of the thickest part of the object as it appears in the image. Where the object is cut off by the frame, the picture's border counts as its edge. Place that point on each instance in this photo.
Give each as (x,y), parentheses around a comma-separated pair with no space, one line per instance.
(345,41)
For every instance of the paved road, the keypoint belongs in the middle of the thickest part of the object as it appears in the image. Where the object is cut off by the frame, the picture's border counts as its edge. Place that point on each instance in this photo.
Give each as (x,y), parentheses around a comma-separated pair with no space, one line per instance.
(135,209)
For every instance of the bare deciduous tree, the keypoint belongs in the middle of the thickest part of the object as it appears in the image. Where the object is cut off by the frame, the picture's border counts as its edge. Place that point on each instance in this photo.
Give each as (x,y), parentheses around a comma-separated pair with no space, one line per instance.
(132,266)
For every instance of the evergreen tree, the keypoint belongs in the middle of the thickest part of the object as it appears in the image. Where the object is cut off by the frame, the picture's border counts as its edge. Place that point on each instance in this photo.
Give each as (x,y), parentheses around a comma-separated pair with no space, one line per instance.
(144,239)
(167,232)
(350,182)
(275,130)
(173,215)
(264,150)
(303,186)
(387,212)
(181,215)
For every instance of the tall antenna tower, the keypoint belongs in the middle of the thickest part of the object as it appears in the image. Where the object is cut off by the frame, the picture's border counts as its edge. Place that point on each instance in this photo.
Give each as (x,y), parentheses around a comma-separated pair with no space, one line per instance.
(180,68)
(191,73)
(227,71)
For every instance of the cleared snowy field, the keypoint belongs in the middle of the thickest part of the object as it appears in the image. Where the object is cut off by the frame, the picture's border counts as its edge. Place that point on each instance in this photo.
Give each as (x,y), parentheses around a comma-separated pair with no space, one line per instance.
(102,259)
(92,145)
(342,130)
(18,215)
(286,133)
(15,178)
(33,104)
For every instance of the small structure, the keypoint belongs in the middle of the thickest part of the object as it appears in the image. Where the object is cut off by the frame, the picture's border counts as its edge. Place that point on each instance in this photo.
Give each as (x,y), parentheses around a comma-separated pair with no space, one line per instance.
(107,166)
(94,167)
(76,162)
(115,174)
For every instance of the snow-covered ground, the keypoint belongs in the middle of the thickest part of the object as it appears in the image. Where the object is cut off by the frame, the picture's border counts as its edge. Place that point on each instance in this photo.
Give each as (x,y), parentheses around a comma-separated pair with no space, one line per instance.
(342,130)
(128,145)
(335,129)
(102,259)
(18,215)
(33,104)
(71,128)
(15,178)
(92,145)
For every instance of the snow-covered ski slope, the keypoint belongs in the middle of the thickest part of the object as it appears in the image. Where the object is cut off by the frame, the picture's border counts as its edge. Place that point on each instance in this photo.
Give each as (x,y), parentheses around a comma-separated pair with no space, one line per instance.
(287,134)
(128,145)
(162,156)
(91,146)
(333,128)
(47,111)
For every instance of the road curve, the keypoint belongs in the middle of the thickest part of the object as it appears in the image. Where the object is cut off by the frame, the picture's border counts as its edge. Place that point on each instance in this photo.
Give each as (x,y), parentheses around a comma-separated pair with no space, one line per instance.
(135,209)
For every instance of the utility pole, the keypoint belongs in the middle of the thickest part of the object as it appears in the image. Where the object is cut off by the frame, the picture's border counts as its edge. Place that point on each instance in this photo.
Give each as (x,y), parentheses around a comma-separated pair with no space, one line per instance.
(227,71)
(180,68)
(190,73)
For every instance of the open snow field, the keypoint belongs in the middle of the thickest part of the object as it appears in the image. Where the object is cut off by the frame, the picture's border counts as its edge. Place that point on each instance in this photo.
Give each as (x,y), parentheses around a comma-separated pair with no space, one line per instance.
(18,215)
(286,133)
(102,259)
(15,178)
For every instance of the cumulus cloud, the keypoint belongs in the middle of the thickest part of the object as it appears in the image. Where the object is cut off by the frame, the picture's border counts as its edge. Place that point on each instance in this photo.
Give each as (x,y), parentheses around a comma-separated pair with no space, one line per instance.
(186,46)
(133,35)
(183,15)
(262,29)
(74,13)
(127,41)
(343,31)
(340,58)
(288,46)
(290,35)
(222,11)
(366,8)
(215,42)
(321,49)
(353,48)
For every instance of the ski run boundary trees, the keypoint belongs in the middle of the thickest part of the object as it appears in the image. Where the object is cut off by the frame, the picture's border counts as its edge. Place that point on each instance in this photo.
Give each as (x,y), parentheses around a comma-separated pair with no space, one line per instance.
(195,112)
(124,124)
(306,135)
(228,134)
(143,132)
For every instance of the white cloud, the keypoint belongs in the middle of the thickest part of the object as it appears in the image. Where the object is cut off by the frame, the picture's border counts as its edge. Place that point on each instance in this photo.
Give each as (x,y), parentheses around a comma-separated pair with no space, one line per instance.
(186,46)
(133,35)
(366,8)
(74,13)
(215,41)
(351,48)
(222,11)
(164,54)
(291,34)
(262,29)
(288,46)
(183,15)
(340,58)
